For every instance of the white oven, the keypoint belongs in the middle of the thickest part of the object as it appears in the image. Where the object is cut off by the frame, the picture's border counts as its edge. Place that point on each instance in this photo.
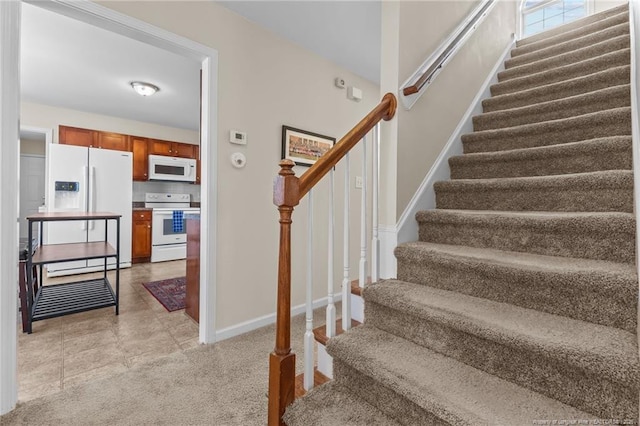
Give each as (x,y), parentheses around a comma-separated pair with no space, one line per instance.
(168,232)
(172,168)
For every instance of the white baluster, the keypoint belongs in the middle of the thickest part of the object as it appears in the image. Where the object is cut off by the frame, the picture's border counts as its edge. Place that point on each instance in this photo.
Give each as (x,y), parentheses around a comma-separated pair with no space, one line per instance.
(308,335)
(363,218)
(375,242)
(346,284)
(331,307)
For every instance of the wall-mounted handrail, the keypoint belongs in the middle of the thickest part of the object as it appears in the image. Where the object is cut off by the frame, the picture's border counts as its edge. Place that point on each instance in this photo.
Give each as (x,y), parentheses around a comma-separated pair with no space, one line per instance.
(432,66)
(288,190)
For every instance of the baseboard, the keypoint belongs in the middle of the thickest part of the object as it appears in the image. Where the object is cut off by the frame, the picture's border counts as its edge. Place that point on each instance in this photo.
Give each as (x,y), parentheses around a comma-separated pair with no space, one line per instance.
(388,236)
(425,197)
(256,323)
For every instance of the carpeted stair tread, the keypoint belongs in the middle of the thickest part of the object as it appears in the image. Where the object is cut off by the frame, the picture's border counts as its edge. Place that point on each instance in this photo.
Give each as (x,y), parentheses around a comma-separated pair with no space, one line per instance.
(609,190)
(584,103)
(579,27)
(590,290)
(597,349)
(609,153)
(565,59)
(333,404)
(590,235)
(562,73)
(568,45)
(613,122)
(614,76)
(426,381)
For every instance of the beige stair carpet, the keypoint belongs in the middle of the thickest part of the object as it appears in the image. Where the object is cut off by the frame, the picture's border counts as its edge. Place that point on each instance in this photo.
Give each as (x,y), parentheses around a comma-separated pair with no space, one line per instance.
(518,302)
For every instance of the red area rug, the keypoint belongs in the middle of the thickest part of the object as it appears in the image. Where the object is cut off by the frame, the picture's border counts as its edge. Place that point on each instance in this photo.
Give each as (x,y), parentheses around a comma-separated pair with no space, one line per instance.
(170,292)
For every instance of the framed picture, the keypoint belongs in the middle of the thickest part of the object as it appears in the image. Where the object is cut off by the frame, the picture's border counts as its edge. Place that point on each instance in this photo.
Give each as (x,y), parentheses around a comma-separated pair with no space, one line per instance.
(302,147)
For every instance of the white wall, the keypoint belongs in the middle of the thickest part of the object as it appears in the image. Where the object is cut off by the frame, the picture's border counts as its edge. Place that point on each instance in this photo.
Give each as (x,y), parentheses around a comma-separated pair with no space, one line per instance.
(47,116)
(265,82)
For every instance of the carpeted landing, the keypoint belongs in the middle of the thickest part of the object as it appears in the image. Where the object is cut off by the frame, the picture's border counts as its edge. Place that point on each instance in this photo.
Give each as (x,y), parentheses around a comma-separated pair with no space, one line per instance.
(518,303)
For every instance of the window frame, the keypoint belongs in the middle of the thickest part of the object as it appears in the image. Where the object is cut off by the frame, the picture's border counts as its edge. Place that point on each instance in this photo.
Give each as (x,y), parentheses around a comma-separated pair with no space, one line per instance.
(522,11)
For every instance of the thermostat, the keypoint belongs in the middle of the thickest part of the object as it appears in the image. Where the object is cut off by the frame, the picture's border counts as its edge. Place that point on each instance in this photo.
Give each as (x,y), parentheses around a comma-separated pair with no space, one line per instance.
(238,137)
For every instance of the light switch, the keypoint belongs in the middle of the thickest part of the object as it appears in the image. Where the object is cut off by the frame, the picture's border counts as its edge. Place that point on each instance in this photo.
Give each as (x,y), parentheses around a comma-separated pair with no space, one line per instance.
(237,137)
(359,182)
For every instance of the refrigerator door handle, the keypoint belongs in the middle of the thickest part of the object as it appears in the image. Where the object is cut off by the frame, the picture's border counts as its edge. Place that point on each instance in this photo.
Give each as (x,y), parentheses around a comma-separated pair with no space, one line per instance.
(85,191)
(92,194)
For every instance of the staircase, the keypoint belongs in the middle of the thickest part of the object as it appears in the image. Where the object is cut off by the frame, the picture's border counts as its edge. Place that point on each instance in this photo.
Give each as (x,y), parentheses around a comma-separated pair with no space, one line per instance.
(518,303)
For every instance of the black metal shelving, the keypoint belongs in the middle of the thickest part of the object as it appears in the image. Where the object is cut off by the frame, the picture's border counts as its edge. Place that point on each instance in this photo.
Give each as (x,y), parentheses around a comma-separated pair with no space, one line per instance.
(69,298)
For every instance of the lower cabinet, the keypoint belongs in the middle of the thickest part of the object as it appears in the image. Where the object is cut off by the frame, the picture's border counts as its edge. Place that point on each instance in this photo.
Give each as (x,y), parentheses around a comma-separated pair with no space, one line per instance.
(141,238)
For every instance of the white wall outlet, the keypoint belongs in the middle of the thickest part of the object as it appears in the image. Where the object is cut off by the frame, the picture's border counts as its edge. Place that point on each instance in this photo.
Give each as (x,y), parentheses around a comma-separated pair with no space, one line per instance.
(237,137)
(339,82)
(359,182)
(354,93)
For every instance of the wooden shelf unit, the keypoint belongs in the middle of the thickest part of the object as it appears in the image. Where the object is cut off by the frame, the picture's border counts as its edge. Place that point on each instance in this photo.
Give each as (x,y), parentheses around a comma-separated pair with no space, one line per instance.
(68,298)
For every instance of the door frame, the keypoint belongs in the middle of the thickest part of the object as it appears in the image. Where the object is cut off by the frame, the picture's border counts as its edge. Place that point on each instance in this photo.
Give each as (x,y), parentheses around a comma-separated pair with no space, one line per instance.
(86,11)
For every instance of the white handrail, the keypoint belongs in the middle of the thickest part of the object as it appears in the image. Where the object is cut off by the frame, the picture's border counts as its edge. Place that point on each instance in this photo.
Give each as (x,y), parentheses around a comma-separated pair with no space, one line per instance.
(308,334)
(331,307)
(346,281)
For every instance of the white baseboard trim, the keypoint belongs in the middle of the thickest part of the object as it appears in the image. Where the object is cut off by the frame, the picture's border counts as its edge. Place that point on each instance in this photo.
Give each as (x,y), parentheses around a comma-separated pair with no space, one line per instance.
(388,236)
(254,324)
(425,197)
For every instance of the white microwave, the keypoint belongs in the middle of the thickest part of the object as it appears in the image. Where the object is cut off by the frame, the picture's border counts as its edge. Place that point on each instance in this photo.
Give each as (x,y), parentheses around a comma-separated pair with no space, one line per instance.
(172,168)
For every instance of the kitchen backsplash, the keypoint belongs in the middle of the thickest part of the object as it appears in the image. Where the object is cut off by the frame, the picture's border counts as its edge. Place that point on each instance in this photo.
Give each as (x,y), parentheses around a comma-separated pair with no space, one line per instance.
(141,188)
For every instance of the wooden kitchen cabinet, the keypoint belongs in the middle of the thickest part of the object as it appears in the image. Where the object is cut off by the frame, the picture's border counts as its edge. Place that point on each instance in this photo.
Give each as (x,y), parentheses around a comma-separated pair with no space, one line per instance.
(76,136)
(141,236)
(93,138)
(140,149)
(115,141)
(172,149)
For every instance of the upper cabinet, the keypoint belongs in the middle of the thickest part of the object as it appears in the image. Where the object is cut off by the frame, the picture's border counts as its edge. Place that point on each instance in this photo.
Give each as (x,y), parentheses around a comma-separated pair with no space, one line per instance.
(172,149)
(75,136)
(93,138)
(140,149)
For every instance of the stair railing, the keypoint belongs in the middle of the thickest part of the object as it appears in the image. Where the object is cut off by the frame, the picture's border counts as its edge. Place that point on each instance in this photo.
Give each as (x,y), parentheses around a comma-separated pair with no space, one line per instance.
(415,85)
(288,191)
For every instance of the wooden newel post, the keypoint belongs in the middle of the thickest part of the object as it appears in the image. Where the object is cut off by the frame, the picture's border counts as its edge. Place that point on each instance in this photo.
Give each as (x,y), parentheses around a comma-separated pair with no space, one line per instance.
(282,362)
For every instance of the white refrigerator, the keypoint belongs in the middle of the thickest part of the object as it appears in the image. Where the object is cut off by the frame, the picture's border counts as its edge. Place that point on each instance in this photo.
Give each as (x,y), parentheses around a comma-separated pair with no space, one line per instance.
(83,179)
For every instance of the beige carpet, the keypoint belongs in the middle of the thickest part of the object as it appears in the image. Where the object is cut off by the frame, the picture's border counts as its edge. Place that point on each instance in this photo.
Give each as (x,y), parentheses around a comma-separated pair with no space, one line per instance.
(518,303)
(221,384)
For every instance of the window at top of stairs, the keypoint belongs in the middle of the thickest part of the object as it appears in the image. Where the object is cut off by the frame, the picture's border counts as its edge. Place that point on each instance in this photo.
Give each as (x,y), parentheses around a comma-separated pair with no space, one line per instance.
(540,15)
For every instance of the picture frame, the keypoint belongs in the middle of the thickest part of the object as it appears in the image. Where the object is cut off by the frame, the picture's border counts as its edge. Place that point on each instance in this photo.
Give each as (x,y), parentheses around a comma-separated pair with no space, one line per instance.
(304,148)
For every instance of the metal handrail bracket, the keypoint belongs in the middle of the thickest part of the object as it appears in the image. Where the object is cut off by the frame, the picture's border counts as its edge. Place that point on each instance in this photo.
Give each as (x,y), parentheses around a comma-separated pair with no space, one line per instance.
(415,86)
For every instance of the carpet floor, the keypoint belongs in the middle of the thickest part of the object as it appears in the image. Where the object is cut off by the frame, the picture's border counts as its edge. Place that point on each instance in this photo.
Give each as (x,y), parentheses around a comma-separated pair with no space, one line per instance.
(220,384)
(517,305)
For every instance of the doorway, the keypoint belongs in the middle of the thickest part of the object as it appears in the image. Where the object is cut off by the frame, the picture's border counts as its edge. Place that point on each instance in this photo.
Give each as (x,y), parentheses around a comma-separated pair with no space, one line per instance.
(9,83)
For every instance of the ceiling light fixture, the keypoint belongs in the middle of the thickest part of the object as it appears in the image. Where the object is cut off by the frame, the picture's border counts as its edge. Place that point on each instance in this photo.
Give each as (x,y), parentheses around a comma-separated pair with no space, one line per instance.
(144,89)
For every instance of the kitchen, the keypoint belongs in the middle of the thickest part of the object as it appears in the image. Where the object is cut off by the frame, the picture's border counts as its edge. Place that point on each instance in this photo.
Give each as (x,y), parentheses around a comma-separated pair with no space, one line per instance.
(139,159)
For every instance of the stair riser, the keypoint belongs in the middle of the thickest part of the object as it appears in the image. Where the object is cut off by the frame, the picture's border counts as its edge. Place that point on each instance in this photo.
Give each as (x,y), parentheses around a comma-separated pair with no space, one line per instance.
(582,199)
(586,53)
(567,294)
(610,78)
(384,398)
(581,162)
(540,372)
(568,46)
(566,108)
(560,74)
(617,245)
(545,134)
(573,30)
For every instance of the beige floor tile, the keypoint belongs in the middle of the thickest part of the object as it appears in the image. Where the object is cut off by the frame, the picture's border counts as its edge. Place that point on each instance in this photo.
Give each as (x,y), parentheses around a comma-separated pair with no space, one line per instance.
(37,374)
(49,326)
(151,356)
(88,326)
(136,330)
(89,341)
(38,354)
(184,332)
(175,319)
(189,344)
(96,373)
(28,393)
(95,313)
(90,359)
(159,341)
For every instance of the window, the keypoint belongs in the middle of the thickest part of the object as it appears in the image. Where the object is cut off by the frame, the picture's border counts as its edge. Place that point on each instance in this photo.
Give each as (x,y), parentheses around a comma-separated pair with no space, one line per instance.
(540,15)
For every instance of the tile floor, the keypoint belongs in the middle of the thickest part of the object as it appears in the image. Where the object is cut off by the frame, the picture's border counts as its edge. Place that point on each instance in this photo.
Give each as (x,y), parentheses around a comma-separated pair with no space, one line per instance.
(76,348)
